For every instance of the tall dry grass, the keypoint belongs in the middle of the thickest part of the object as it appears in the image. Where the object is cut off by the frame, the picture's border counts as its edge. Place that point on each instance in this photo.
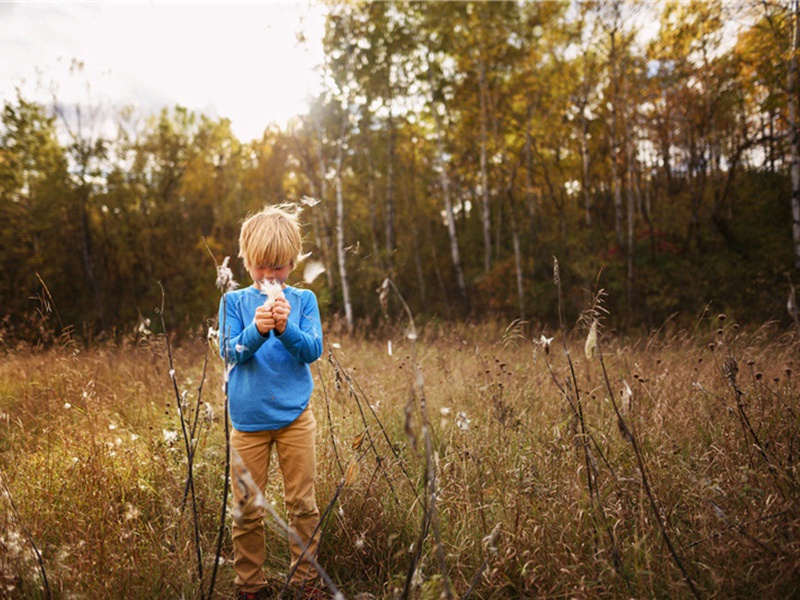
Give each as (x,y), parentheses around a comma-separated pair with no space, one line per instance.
(513,493)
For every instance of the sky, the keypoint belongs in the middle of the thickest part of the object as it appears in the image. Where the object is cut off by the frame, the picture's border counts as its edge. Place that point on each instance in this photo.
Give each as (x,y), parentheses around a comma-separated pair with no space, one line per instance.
(240,61)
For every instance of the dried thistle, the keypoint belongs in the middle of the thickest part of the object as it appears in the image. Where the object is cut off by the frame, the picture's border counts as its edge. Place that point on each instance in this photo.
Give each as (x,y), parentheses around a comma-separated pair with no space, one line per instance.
(225,281)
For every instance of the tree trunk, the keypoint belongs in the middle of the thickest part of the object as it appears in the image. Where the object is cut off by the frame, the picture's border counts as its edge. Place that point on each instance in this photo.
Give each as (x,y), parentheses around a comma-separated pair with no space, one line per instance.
(340,251)
(390,209)
(794,130)
(444,180)
(485,208)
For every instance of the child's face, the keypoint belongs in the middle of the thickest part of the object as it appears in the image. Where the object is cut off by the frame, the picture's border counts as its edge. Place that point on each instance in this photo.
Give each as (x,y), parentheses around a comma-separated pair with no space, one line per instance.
(261,272)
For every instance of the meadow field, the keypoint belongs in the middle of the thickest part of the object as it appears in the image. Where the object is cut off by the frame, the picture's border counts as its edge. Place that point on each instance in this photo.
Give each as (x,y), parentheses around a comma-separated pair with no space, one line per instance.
(482,461)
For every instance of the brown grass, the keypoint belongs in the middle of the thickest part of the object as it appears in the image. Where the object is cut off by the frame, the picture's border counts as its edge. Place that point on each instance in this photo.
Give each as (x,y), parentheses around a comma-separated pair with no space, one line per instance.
(100,488)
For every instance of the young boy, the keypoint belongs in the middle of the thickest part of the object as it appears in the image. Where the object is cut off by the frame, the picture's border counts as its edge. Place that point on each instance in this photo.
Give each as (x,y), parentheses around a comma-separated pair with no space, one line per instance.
(269,340)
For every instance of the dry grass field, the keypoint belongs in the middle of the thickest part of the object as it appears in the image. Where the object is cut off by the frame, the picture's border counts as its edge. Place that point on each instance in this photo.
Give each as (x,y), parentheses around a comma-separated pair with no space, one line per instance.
(474,462)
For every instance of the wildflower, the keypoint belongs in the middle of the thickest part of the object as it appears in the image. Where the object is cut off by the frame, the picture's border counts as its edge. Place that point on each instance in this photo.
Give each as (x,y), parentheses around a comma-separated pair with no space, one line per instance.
(225,281)
(545,343)
(170,437)
(209,412)
(462,421)
(272,290)
(591,341)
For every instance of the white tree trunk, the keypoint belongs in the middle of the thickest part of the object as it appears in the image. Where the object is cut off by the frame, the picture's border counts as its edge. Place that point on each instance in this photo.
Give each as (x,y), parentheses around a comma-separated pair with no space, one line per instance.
(485,209)
(340,251)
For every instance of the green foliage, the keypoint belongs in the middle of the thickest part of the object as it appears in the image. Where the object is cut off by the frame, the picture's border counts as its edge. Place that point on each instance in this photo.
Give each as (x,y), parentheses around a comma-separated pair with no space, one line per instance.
(655,170)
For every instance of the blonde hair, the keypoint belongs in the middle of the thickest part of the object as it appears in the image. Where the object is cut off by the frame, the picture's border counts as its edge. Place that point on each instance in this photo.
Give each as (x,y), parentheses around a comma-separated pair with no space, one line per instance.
(271,237)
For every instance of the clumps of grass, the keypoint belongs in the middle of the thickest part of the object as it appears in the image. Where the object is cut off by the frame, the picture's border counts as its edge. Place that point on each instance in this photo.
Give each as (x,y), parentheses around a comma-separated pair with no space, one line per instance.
(535,470)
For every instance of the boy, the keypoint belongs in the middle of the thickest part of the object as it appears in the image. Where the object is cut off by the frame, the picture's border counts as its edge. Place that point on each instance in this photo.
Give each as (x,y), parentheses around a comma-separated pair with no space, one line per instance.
(270,333)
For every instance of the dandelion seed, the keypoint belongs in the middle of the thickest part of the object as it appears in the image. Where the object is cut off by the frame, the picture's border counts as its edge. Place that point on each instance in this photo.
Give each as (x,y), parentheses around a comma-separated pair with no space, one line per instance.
(172,373)
(312,270)
(225,281)
(336,345)
(209,412)
(361,541)
(271,288)
(170,437)
(389,347)
(134,437)
(591,341)
(112,427)
(240,348)
(67,405)
(462,421)
(445,410)
(545,343)
(309,201)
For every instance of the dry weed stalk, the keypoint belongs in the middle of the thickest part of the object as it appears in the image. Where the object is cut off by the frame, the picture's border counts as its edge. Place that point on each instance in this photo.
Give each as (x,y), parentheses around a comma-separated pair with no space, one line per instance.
(28,536)
(592,473)
(187,441)
(430,515)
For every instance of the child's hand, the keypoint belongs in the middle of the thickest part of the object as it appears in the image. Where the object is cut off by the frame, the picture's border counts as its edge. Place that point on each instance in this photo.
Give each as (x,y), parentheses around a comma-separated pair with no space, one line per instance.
(280,313)
(265,320)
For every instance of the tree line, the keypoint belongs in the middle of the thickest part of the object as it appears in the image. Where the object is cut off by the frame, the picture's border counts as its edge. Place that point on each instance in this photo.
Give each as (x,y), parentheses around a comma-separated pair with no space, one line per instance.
(456,148)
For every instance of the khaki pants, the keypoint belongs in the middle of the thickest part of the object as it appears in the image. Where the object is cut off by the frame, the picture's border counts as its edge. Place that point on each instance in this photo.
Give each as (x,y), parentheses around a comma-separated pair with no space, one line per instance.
(295,445)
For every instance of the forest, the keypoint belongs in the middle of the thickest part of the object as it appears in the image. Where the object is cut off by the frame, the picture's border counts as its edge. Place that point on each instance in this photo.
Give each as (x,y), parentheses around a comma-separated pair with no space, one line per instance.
(555,246)
(457,149)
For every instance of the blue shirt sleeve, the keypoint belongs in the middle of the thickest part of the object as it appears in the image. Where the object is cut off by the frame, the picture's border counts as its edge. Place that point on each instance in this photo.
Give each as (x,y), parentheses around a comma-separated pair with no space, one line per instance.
(302,338)
(238,342)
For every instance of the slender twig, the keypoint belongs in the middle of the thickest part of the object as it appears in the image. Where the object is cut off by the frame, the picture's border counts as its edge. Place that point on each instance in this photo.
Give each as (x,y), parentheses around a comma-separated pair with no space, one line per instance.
(489,542)
(430,516)
(186,440)
(29,537)
(629,434)
(330,419)
(354,385)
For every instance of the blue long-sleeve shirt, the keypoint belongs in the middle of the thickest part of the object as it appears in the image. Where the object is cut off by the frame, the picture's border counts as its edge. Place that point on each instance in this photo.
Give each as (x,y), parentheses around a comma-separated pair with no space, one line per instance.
(270,380)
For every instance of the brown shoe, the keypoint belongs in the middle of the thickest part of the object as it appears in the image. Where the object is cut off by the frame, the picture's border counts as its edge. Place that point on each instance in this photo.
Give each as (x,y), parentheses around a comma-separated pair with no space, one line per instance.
(262,594)
(314,591)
